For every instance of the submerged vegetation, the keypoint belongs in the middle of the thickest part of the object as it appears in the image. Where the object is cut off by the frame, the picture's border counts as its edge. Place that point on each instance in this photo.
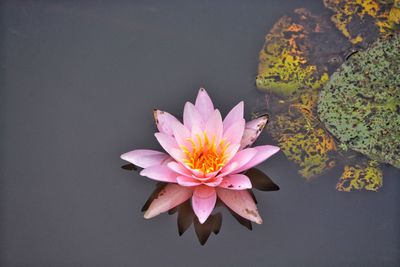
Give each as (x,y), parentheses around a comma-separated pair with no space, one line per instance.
(300,53)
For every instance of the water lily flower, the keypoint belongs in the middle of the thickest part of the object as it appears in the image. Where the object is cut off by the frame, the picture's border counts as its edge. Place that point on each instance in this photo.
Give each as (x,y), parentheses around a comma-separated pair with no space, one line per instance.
(205,158)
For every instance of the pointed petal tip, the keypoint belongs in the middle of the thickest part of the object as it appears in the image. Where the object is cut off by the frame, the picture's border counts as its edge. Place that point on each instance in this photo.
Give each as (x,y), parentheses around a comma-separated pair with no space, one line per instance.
(123,156)
(144,158)
(202,91)
(203,202)
(126,156)
(147,215)
(272,150)
(202,219)
(239,106)
(275,149)
(234,116)
(204,104)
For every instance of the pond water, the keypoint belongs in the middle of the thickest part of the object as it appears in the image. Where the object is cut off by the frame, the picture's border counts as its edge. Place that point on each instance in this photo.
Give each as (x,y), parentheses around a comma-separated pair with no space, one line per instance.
(78,82)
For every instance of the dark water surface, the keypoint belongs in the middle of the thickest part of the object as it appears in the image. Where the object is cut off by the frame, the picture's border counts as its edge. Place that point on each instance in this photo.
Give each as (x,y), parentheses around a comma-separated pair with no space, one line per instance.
(78,82)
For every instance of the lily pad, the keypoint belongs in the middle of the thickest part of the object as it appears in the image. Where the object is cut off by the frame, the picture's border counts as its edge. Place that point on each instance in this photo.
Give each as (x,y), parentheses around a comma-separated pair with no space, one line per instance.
(360,105)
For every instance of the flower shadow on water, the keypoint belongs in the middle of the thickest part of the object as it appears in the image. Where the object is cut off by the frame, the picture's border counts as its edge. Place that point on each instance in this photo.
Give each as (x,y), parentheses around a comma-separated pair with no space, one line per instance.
(186,216)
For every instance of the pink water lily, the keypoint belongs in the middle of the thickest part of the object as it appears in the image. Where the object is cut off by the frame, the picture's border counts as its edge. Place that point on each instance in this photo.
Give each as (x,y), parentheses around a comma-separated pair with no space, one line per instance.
(205,159)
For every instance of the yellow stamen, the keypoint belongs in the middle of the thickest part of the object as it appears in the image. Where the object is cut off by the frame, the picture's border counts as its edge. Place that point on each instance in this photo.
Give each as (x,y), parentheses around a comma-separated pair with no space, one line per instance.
(205,156)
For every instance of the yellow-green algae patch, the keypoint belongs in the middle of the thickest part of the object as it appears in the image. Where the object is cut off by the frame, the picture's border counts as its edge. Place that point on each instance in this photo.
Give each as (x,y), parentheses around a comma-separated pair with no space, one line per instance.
(302,138)
(362,21)
(364,175)
(284,61)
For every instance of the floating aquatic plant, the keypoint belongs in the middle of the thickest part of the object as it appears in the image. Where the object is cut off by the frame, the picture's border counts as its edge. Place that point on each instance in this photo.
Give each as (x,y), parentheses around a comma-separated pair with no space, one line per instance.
(360,105)
(300,52)
(361,21)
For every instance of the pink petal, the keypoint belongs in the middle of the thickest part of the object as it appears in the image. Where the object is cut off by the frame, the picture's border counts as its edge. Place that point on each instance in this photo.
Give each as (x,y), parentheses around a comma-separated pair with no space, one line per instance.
(252,131)
(234,133)
(169,197)
(167,142)
(214,127)
(216,181)
(164,121)
(203,202)
(187,181)
(263,152)
(234,115)
(191,116)
(241,202)
(178,155)
(197,135)
(231,151)
(160,173)
(229,168)
(145,157)
(236,182)
(181,134)
(179,168)
(212,174)
(239,160)
(197,174)
(204,104)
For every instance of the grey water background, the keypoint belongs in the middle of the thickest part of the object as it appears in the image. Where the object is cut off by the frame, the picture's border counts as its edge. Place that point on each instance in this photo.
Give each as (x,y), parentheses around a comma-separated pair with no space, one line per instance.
(78,82)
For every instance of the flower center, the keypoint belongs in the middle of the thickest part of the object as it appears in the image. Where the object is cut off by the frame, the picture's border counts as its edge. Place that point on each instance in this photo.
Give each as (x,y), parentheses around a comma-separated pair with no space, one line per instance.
(205,155)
